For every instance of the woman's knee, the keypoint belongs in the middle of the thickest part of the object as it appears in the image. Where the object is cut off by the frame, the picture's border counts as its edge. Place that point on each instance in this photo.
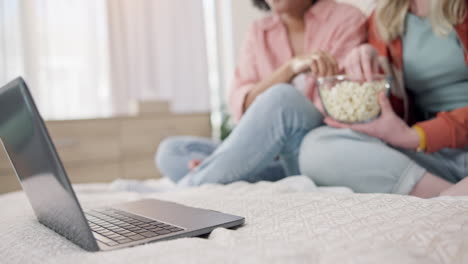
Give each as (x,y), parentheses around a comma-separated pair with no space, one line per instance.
(167,148)
(282,94)
(283,102)
(174,153)
(167,157)
(325,154)
(314,158)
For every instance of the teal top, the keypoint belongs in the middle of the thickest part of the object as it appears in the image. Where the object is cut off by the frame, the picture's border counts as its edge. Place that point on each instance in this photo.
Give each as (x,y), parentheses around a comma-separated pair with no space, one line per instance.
(435,70)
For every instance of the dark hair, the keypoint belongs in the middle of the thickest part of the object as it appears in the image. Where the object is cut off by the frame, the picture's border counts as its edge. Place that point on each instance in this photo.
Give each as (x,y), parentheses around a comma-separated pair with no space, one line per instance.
(262,4)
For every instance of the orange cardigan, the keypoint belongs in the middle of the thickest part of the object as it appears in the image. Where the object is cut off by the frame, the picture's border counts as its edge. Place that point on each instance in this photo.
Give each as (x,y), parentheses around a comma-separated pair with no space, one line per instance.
(447,129)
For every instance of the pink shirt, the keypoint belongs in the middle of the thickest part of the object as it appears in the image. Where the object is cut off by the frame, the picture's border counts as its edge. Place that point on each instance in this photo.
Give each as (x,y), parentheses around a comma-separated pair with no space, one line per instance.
(330,26)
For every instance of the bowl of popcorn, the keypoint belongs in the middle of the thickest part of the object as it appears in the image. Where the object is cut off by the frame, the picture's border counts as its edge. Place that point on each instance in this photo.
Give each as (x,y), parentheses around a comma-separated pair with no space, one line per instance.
(350,101)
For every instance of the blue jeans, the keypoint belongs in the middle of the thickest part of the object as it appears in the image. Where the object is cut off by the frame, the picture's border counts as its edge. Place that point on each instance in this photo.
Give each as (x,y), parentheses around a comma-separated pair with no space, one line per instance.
(273,126)
(175,153)
(343,157)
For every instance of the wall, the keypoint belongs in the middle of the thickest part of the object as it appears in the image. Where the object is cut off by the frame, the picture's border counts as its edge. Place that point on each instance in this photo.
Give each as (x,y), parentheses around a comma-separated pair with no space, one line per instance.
(243,14)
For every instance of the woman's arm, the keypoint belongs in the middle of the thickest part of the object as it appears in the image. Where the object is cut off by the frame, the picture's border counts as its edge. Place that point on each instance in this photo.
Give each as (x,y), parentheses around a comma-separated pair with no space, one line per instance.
(349,29)
(284,74)
(319,63)
(447,130)
(248,84)
(246,75)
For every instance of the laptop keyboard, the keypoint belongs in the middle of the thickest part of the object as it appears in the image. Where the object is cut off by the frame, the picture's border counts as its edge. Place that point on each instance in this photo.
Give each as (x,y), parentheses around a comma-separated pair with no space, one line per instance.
(114,227)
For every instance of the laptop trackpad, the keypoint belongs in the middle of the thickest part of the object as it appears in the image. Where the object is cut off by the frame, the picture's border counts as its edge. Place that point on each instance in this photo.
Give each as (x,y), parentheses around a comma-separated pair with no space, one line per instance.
(177,214)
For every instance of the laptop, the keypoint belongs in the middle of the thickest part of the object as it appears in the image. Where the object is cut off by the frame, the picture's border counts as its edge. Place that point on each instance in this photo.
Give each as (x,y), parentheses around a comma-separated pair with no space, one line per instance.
(46,184)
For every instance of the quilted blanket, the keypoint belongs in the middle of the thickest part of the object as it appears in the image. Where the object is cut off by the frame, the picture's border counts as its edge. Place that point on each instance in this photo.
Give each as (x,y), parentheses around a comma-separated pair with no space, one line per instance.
(290,221)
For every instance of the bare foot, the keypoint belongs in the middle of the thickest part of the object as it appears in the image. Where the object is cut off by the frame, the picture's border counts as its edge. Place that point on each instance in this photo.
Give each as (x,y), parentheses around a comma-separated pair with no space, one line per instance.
(193,164)
(459,189)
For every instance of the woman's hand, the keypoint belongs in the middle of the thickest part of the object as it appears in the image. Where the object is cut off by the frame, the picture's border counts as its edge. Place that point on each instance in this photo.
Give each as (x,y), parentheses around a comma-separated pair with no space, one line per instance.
(362,63)
(388,127)
(320,63)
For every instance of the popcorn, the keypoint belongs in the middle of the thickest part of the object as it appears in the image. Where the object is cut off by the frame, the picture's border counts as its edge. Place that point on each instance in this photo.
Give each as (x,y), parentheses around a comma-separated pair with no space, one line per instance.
(352,102)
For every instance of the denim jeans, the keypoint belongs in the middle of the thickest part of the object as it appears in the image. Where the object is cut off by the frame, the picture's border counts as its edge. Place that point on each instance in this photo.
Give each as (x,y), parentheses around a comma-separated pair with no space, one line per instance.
(175,153)
(343,157)
(271,129)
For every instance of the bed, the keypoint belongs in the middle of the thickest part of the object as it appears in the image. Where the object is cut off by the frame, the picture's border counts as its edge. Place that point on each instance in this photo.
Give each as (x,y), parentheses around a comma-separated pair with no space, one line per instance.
(290,221)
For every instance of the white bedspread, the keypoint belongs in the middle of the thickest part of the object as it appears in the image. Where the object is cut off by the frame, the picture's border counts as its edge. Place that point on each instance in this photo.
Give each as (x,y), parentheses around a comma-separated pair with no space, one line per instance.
(290,221)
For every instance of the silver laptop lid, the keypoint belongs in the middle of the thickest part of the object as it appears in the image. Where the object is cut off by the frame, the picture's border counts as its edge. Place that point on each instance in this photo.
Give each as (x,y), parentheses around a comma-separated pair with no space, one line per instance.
(38,166)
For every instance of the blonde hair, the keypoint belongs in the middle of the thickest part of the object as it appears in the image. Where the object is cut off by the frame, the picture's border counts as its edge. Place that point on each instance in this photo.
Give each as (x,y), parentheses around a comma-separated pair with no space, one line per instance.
(444,14)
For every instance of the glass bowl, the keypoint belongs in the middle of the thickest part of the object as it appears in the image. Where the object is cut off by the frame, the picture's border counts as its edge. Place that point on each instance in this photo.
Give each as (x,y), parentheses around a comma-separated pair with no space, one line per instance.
(350,101)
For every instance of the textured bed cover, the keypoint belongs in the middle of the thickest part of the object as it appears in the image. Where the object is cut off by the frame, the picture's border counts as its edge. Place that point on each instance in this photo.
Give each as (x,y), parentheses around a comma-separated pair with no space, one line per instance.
(290,221)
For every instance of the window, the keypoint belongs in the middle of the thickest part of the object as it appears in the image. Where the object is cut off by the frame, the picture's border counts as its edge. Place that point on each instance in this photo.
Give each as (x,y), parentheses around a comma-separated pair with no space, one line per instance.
(61,49)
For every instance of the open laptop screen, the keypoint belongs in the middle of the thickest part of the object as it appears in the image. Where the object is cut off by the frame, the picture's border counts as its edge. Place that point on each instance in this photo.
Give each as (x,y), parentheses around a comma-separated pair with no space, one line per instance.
(38,167)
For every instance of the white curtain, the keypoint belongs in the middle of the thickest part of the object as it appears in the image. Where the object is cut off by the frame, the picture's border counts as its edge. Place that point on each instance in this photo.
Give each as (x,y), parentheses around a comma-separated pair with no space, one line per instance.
(11,50)
(96,58)
(158,52)
(60,47)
